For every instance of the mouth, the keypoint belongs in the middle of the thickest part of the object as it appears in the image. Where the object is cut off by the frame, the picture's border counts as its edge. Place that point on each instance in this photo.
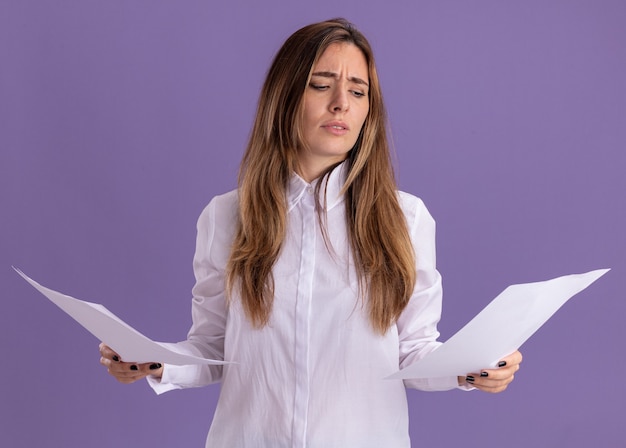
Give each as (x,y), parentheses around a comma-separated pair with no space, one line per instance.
(336,125)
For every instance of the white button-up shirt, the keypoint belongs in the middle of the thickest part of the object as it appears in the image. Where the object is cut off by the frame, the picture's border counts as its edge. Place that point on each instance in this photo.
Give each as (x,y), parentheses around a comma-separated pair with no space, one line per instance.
(314,376)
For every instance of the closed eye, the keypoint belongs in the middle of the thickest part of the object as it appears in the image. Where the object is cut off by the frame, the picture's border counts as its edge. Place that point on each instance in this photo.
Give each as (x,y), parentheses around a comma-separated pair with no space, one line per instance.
(318,86)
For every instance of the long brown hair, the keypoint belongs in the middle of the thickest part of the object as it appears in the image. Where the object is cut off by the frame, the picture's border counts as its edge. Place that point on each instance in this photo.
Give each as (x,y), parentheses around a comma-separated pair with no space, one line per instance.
(377,229)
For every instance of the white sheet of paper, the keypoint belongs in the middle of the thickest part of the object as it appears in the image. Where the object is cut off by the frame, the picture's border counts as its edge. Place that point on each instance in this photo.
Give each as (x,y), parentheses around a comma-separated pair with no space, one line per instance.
(131,345)
(499,329)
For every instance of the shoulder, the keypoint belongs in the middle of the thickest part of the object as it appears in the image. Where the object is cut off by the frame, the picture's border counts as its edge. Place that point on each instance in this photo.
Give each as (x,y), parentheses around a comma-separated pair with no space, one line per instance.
(216,228)
(414,209)
(219,217)
(225,202)
(222,208)
(409,201)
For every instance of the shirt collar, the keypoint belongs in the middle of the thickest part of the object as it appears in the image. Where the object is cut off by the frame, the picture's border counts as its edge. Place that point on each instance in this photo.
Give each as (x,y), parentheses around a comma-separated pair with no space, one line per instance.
(298,188)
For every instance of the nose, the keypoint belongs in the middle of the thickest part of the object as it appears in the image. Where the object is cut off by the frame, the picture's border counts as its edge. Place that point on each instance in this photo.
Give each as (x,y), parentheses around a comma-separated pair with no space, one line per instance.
(339,102)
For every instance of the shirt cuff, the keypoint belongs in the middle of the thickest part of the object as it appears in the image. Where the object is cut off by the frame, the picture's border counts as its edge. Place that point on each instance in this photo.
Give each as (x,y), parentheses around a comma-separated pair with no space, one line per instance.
(436,384)
(173,378)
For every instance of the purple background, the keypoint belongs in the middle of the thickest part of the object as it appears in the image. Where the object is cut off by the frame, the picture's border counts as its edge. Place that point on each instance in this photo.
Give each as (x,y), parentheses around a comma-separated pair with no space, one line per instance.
(120,119)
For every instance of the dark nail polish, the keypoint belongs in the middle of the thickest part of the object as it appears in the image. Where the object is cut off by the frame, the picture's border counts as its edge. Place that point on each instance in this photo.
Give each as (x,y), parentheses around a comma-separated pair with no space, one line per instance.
(502,364)
(484,374)
(115,358)
(133,367)
(469,378)
(155,366)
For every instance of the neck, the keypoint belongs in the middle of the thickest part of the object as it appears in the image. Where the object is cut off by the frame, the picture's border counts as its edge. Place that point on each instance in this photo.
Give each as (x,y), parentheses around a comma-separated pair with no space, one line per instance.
(311,167)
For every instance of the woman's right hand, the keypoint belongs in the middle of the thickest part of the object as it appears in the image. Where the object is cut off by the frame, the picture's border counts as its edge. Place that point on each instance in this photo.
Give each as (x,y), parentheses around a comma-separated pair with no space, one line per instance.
(127,372)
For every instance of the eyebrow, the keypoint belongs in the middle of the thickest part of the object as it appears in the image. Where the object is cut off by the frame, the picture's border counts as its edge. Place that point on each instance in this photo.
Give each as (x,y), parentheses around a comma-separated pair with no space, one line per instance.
(353,79)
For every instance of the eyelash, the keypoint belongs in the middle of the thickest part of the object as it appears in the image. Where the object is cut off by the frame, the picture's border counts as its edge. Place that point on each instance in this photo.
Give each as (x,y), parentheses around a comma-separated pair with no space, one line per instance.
(323,88)
(318,86)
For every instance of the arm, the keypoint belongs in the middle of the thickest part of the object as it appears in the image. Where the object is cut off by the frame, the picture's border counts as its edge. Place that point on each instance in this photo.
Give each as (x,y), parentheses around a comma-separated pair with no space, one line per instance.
(208,307)
(417,326)
(206,336)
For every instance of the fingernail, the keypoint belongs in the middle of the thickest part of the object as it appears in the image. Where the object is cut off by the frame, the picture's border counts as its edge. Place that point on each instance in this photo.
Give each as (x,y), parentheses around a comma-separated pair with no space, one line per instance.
(484,374)
(133,367)
(155,366)
(469,378)
(116,358)
(502,364)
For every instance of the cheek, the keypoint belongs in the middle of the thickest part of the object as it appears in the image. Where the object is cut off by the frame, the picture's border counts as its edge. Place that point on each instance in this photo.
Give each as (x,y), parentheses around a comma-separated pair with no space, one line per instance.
(308,117)
(364,116)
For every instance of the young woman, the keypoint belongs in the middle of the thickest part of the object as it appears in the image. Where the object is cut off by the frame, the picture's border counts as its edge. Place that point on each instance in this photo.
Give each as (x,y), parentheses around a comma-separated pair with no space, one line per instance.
(316,276)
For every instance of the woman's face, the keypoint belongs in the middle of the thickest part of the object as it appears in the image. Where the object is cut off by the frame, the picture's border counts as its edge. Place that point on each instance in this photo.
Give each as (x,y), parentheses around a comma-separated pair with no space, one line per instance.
(336,104)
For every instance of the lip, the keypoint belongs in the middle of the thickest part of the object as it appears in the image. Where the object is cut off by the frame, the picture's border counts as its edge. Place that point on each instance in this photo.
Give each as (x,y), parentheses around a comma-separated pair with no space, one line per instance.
(336,127)
(336,124)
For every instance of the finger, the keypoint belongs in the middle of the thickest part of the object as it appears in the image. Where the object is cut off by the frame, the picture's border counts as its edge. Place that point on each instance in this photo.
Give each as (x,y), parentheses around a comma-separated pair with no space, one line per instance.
(150,368)
(126,372)
(494,388)
(118,369)
(500,373)
(507,367)
(106,352)
(493,380)
(129,372)
(134,372)
(488,384)
(496,380)
(514,358)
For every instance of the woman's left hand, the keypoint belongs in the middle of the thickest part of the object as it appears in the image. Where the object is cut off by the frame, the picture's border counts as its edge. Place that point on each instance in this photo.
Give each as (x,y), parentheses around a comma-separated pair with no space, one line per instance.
(494,380)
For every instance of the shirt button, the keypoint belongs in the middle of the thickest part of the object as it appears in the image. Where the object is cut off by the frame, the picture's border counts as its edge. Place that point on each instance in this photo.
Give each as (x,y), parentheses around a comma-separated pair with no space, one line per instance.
(309,190)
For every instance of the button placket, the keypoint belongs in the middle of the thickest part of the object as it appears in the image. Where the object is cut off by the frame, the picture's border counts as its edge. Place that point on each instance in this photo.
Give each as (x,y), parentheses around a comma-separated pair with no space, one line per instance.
(302,327)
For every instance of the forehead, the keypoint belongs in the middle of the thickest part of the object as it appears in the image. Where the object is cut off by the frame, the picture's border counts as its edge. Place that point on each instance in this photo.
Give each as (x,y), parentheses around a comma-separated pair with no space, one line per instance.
(343,57)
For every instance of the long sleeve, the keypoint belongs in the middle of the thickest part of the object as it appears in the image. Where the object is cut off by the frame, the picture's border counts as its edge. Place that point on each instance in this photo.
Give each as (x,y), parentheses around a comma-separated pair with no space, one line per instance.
(417,326)
(208,308)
